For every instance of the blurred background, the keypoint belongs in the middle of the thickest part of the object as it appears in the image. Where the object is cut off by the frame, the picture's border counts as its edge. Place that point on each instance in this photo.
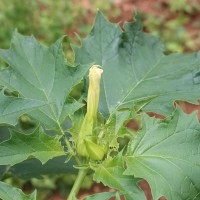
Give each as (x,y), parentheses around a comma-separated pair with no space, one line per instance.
(177,23)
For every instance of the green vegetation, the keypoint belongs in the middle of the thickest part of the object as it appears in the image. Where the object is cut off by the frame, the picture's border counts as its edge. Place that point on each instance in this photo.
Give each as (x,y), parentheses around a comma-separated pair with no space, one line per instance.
(44,93)
(38,84)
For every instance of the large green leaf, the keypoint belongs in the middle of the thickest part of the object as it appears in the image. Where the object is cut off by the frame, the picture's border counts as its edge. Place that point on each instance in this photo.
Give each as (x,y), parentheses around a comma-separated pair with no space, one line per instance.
(166,153)
(110,173)
(7,192)
(41,77)
(136,71)
(37,144)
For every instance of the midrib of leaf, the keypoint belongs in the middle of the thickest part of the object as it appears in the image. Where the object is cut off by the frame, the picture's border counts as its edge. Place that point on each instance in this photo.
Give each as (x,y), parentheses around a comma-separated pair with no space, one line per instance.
(159,142)
(134,87)
(183,173)
(196,196)
(102,39)
(102,52)
(2,114)
(42,87)
(57,120)
(34,151)
(150,147)
(165,158)
(47,115)
(8,193)
(31,148)
(155,173)
(106,97)
(168,160)
(101,45)
(101,65)
(46,96)
(133,45)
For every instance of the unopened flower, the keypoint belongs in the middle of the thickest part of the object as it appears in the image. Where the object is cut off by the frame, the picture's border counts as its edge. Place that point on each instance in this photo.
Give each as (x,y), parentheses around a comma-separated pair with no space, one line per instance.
(86,144)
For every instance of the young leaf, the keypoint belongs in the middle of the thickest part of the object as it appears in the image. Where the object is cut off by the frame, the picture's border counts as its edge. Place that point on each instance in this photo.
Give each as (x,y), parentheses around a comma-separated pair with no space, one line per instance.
(115,130)
(37,144)
(166,153)
(110,173)
(39,74)
(7,192)
(117,123)
(136,71)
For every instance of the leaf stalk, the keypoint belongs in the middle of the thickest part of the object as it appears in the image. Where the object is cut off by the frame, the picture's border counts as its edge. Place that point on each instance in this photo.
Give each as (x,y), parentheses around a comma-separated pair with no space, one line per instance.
(68,144)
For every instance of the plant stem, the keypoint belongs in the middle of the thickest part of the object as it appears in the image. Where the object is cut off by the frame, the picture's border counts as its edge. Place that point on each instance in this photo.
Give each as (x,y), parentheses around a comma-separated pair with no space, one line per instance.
(66,141)
(68,144)
(77,184)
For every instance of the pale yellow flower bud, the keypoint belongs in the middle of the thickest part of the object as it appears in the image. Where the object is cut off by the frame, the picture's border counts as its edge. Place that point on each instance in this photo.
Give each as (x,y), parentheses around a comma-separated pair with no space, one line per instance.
(89,122)
(93,91)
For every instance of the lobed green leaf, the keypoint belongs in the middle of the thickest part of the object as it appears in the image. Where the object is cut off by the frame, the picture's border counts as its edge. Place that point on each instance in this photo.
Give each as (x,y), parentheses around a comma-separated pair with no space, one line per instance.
(110,173)
(136,71)
(166,153)
(41,77)
(37,144)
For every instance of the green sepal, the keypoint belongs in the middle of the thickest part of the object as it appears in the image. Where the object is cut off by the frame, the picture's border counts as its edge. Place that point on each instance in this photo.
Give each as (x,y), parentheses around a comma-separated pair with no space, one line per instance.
(95,151)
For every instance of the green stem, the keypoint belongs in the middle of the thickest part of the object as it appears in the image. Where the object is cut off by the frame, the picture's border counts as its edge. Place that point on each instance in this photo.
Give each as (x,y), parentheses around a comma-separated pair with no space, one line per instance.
(68,144)
(76,187)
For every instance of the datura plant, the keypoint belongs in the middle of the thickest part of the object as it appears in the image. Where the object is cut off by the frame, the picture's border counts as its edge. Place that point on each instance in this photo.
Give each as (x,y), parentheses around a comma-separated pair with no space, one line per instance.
(119,76)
